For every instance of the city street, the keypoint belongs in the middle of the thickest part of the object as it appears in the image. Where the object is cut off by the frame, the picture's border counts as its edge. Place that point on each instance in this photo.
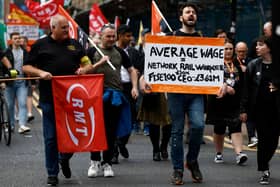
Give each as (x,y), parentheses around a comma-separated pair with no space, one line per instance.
(22,164)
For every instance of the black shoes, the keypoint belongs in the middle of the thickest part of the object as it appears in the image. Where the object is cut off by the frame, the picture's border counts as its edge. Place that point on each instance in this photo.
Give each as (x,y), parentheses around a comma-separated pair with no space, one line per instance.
(156,156)
(65,168)
(30,118)
(195,172)
(164,154)
(52,181)
(115,160)
(123,151)
(177,178)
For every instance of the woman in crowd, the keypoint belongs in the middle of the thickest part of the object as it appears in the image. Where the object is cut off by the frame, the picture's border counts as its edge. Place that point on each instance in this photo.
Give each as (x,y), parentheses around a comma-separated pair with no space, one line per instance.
(153,109)
(259,102)
(223,110)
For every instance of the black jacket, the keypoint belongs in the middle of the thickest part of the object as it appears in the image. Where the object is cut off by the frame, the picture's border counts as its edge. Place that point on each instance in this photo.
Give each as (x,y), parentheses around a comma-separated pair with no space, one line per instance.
(251,86)
(10,56)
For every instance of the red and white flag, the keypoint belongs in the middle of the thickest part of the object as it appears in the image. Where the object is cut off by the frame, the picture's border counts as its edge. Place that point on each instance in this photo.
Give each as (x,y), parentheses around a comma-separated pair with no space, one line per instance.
(43,12)
(117,22)
(159,23)
(96,19)
(78,103)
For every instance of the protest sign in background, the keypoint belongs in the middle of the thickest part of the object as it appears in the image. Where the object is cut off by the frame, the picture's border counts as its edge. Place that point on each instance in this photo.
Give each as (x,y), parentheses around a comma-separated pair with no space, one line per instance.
(184,64)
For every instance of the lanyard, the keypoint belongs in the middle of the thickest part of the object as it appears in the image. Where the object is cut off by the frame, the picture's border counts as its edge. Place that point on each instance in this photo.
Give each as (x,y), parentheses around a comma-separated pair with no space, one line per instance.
(230,67)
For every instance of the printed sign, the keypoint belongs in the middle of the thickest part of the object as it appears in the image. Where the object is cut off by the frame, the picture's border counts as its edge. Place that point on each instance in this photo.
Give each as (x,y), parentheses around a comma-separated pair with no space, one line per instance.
(184,64)
(78,102)
(31,31)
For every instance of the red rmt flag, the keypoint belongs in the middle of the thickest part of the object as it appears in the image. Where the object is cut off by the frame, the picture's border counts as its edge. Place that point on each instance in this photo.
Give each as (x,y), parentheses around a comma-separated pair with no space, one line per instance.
(78,105)
(96,19)
(43,12)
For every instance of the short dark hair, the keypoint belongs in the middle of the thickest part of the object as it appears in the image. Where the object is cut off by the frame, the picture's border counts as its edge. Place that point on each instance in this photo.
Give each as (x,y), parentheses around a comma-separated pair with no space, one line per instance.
(219,31)
(122,29)
(13,34)
(184,5)
(266,40)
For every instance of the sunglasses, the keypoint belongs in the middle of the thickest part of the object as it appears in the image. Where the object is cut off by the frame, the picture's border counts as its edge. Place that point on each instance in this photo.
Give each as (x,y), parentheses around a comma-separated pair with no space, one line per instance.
(107,25)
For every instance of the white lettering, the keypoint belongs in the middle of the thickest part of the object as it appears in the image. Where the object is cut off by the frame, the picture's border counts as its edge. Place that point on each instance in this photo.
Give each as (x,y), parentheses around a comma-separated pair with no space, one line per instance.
(77,103)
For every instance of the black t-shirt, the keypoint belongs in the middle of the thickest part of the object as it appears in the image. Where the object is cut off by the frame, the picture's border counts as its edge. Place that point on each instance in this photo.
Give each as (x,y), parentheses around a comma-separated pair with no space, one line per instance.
(58,58)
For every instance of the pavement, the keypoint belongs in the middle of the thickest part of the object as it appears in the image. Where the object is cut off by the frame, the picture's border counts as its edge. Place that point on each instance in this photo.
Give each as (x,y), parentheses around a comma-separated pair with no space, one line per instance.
(22,164)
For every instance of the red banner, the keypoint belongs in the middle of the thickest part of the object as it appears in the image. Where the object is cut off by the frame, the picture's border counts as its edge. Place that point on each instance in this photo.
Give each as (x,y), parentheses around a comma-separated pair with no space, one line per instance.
(96,19)
(43,12)
(156,19)
(78,107)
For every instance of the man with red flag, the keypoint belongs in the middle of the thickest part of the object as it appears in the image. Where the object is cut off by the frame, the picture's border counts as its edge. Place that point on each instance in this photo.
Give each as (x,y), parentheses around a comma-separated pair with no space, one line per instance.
(55,54)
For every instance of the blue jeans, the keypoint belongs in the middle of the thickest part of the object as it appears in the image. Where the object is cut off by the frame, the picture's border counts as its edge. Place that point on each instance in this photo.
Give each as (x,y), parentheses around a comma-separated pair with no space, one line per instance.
(17,90)
(193,105)
(50,141)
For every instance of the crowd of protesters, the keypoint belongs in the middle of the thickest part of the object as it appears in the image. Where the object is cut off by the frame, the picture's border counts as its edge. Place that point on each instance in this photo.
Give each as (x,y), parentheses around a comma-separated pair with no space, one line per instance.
(248,95)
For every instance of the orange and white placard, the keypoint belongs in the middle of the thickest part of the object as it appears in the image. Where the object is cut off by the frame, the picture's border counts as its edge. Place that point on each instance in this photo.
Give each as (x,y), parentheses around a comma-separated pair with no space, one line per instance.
(184,64)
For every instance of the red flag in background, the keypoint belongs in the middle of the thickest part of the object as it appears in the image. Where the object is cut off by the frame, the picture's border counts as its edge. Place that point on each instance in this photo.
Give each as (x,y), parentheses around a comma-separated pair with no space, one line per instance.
(17,15)
(43,12)
(78,104)
(75,31)
(117,22)
(96,19)
(159,24)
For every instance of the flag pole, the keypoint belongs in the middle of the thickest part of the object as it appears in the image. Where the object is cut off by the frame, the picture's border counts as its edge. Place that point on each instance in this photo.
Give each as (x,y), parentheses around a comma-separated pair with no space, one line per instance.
(162,16)
(100,52)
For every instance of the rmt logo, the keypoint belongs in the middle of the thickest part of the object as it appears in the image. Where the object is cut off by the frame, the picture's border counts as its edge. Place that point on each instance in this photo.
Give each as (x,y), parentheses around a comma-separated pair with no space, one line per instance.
(79,116)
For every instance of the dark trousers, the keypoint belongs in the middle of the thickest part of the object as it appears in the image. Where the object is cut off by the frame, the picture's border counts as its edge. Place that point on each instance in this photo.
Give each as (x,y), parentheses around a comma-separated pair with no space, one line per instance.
(251,128)
(155,137)
(111,118)
(267,125)
(122,141)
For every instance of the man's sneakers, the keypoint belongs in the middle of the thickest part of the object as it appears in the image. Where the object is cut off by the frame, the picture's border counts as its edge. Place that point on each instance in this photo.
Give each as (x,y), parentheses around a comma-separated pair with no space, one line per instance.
(264,179)
(108,171)
(253,142)
(195,172)
(23,129)
(52,181)
(65,168)
(96,169)
(177,177)
(219,158)
(241,158)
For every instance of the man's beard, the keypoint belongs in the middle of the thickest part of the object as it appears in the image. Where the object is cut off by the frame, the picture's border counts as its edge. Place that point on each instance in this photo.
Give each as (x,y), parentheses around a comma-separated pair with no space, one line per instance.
(186,23)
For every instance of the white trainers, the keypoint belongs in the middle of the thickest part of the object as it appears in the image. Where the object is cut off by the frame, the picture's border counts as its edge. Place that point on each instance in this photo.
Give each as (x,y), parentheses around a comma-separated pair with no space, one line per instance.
(22,129)
(241,158)
(107,169)
(253,142)
(219,158)
(94,169)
